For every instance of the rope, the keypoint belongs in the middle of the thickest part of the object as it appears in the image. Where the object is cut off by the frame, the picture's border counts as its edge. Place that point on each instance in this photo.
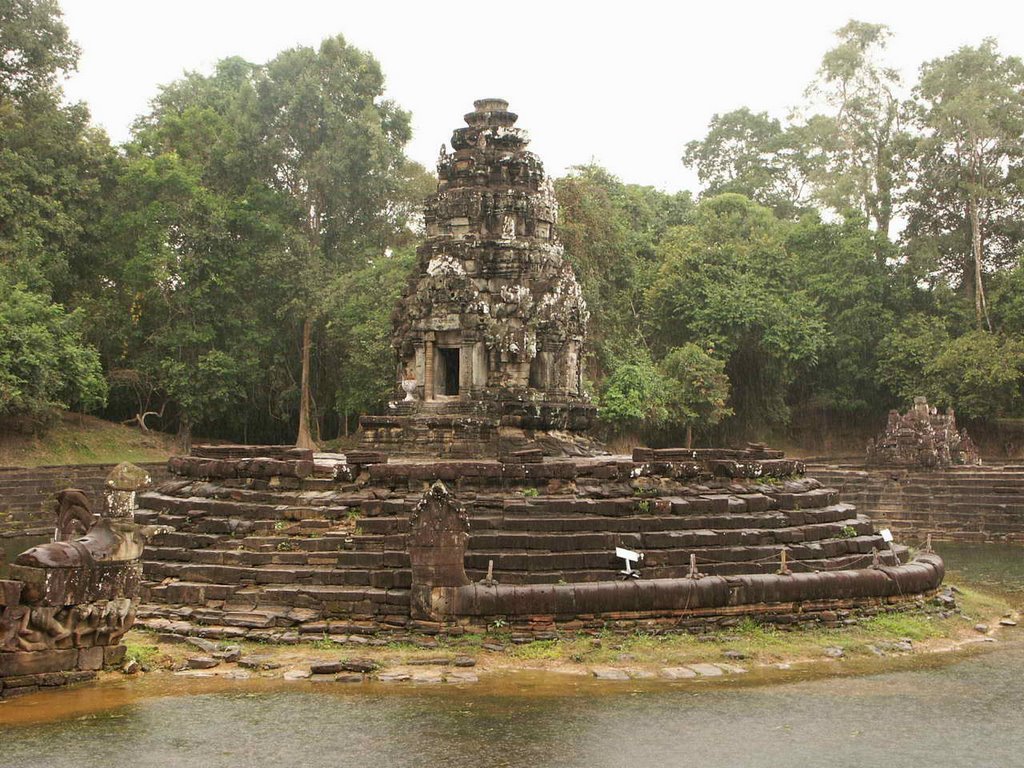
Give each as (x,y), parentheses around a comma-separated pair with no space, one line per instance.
(776,559)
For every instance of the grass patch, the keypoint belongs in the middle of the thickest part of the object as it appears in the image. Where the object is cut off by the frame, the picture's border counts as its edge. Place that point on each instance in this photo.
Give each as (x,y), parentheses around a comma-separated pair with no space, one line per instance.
(541,650)
(141,653)
(895,626)
(80,439)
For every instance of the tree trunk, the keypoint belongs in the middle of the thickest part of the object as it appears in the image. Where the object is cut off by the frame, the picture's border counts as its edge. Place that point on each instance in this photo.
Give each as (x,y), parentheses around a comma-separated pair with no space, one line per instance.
(184,434)
(980,307)
(689,436)
(305,437)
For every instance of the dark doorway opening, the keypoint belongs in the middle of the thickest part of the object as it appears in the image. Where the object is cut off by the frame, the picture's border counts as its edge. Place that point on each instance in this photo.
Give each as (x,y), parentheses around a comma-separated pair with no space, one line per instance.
(448,370)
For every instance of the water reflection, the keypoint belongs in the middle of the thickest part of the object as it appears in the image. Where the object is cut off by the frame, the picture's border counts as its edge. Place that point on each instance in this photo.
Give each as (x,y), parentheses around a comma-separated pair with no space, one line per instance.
(967,713)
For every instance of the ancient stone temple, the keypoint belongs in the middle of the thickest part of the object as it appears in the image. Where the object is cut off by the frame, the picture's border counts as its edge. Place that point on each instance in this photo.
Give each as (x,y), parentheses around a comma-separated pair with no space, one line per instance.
(922,437)
(489,334)
(479,501)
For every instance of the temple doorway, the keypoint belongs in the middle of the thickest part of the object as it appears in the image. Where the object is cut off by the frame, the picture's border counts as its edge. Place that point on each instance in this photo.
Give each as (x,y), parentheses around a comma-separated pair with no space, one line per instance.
(448,371)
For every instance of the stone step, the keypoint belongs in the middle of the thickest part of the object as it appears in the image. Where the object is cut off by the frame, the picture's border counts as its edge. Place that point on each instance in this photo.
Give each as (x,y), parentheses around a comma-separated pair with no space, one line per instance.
(535,562)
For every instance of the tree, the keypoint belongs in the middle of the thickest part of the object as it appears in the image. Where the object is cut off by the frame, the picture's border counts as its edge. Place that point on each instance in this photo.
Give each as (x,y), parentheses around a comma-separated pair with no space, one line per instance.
(44,361)
(859,144)
(358,331)
(980,374)
(968,205)
(633,396)
(52,170)
(53,165)
(752,154)
(905,353)
(610,231)
(697,389)
(860,296)
(727,282)
(34,48)
(336,149)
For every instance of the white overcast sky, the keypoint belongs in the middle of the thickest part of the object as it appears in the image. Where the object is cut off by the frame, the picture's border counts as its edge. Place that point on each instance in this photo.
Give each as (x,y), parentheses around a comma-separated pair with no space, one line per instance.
(625,84)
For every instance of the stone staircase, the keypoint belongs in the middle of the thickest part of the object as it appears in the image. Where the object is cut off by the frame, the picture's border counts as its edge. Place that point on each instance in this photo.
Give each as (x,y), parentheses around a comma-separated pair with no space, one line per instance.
(263,557)
(26,493)
(960,503)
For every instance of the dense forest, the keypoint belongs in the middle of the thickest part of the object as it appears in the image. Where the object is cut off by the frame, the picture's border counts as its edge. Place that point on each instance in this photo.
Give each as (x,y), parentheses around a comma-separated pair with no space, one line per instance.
(230,271)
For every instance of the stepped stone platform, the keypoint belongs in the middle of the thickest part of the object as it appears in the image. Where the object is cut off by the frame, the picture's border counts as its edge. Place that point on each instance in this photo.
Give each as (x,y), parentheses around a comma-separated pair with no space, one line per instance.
(964,503)
(304,544)
(26,493)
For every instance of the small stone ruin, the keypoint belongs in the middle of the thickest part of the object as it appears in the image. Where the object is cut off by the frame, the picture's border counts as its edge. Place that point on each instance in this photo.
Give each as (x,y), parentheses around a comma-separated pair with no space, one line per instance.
(67,604)
(924,438)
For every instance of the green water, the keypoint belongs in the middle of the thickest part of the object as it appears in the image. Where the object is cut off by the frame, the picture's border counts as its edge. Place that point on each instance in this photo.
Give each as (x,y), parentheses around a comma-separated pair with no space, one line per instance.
(965,711)
(13,546)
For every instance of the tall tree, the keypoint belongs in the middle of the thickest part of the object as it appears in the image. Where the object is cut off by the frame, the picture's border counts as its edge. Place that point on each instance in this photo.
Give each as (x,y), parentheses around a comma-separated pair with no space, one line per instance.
(968,203)
(752,154)
(44,361)
(337,150)
(858,142)
(611,230)
(35,48)
(53,167)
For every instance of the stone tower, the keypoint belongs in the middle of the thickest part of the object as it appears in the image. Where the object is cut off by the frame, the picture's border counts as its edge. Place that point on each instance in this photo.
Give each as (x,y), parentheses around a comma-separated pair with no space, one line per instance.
(489,334)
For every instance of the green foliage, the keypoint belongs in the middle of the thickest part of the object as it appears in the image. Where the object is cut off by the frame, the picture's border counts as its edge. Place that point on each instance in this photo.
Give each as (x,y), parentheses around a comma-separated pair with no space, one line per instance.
(979,374)
(858,148)
(44,361)
(697,387)
(966,207)
(34,47)
(611,231)
(634,395)
(752,155)
(727,282)
(845,269)
(143,654)
(358,330)
(905,353)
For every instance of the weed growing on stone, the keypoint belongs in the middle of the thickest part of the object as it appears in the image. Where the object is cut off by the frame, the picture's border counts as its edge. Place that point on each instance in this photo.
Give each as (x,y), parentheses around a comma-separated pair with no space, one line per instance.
(143,654)
(530,492)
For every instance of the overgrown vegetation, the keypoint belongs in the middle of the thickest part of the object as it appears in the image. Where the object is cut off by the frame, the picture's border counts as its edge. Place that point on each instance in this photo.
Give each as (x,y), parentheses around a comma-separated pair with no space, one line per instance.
(232,268)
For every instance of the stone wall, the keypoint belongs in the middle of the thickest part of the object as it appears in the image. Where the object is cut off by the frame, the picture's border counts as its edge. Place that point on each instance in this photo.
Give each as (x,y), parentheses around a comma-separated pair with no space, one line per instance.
(956,504)
(26,493)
